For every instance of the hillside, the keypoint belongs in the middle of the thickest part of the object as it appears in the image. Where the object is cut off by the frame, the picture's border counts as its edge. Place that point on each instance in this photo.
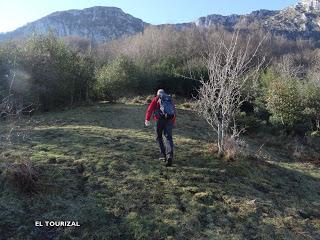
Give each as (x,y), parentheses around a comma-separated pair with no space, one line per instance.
(297,21)
(98,165)
(102,24)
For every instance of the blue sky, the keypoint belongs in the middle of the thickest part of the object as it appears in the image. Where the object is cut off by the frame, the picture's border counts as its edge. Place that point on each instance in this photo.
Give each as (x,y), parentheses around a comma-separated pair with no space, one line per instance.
(15,13)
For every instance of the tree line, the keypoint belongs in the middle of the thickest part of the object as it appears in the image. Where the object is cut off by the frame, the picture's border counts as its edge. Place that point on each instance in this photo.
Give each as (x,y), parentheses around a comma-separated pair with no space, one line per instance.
(51,72)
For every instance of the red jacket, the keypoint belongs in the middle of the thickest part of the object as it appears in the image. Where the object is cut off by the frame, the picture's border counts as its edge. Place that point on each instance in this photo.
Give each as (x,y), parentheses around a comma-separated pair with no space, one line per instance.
(154,107)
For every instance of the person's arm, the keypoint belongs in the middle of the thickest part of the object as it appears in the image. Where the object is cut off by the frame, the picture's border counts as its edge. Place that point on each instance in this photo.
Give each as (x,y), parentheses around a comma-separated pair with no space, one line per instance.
(175,114)
(151,108)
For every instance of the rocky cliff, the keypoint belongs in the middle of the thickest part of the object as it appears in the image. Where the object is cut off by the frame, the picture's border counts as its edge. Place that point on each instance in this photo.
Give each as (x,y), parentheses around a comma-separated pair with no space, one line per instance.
(102,24)
(298,21)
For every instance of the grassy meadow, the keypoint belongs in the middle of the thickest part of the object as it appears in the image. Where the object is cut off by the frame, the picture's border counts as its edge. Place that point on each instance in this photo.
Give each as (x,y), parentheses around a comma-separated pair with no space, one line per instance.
(99,165)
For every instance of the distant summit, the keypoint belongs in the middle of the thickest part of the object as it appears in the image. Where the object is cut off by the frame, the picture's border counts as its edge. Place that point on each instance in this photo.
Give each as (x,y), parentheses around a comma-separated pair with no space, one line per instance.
(233,22)
(102,24)
(298,21)
(309,5)
(301,20)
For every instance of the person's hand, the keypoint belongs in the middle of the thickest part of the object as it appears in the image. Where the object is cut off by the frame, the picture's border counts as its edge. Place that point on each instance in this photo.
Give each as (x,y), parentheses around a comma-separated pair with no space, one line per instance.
(174,123)
(147,123)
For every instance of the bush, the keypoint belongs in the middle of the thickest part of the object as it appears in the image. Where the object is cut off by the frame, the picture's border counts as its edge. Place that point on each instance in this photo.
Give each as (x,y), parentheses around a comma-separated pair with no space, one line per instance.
(249,122)
(10,55)
(260,100)
(284,101)
(117,79)
(311,102)
(234,148)
(304,152)
(46,71)
(23,175)
(293,103)
(172,75)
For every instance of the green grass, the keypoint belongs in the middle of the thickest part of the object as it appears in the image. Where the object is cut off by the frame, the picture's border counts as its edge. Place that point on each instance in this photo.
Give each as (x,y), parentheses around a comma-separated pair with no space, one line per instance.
(98,165)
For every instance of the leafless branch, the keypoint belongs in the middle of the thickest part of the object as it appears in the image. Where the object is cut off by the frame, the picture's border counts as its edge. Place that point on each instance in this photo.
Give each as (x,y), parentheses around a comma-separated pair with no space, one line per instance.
(230,68)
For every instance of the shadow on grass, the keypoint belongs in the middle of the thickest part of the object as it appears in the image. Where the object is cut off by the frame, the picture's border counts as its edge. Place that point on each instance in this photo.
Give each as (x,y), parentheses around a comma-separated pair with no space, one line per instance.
(247,198)
(121,116)
(62,195)
(103,161)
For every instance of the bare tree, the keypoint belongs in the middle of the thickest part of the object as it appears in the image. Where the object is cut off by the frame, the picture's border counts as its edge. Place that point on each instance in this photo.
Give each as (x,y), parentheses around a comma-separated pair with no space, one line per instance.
(313,73)
(230,68)
(287,68)
(12,106)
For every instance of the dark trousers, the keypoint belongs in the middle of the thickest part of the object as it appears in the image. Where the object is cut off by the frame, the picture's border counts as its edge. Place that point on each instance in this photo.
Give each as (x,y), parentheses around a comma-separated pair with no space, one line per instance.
(164,126)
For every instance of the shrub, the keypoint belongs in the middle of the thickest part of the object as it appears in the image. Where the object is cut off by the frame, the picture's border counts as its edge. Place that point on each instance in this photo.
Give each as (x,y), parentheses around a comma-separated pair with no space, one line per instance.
(249,122)
(293,103)
(311,102)
(304,152)
(57,75)
(284,101)
(234,148)
(260,99)
(23,175)
(117,79)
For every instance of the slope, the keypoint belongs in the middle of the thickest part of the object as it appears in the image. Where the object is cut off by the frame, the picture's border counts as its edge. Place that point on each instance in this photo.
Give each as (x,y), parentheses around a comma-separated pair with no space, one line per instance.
(98,165)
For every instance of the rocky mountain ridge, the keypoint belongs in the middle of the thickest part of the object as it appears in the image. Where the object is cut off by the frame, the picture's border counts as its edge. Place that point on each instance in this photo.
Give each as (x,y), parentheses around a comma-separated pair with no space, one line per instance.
(102,24)
(298,21)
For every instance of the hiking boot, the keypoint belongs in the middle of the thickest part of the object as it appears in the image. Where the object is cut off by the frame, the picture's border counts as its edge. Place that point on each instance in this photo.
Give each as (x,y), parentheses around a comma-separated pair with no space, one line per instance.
(169,162)
(162,159)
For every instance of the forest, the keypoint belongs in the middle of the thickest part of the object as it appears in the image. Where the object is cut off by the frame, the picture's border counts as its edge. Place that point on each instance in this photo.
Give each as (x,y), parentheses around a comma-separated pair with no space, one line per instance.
(50,73)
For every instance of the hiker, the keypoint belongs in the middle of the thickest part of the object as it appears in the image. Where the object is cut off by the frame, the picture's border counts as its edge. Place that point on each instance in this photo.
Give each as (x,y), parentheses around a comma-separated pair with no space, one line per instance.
(165,116)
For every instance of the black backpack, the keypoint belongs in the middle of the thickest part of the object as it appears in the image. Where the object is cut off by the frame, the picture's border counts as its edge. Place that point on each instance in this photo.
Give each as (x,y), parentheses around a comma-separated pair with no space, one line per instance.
(167,109)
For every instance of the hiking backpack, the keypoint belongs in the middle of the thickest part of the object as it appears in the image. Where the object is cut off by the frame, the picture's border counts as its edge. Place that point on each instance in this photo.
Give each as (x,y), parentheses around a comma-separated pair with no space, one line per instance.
(167,109)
